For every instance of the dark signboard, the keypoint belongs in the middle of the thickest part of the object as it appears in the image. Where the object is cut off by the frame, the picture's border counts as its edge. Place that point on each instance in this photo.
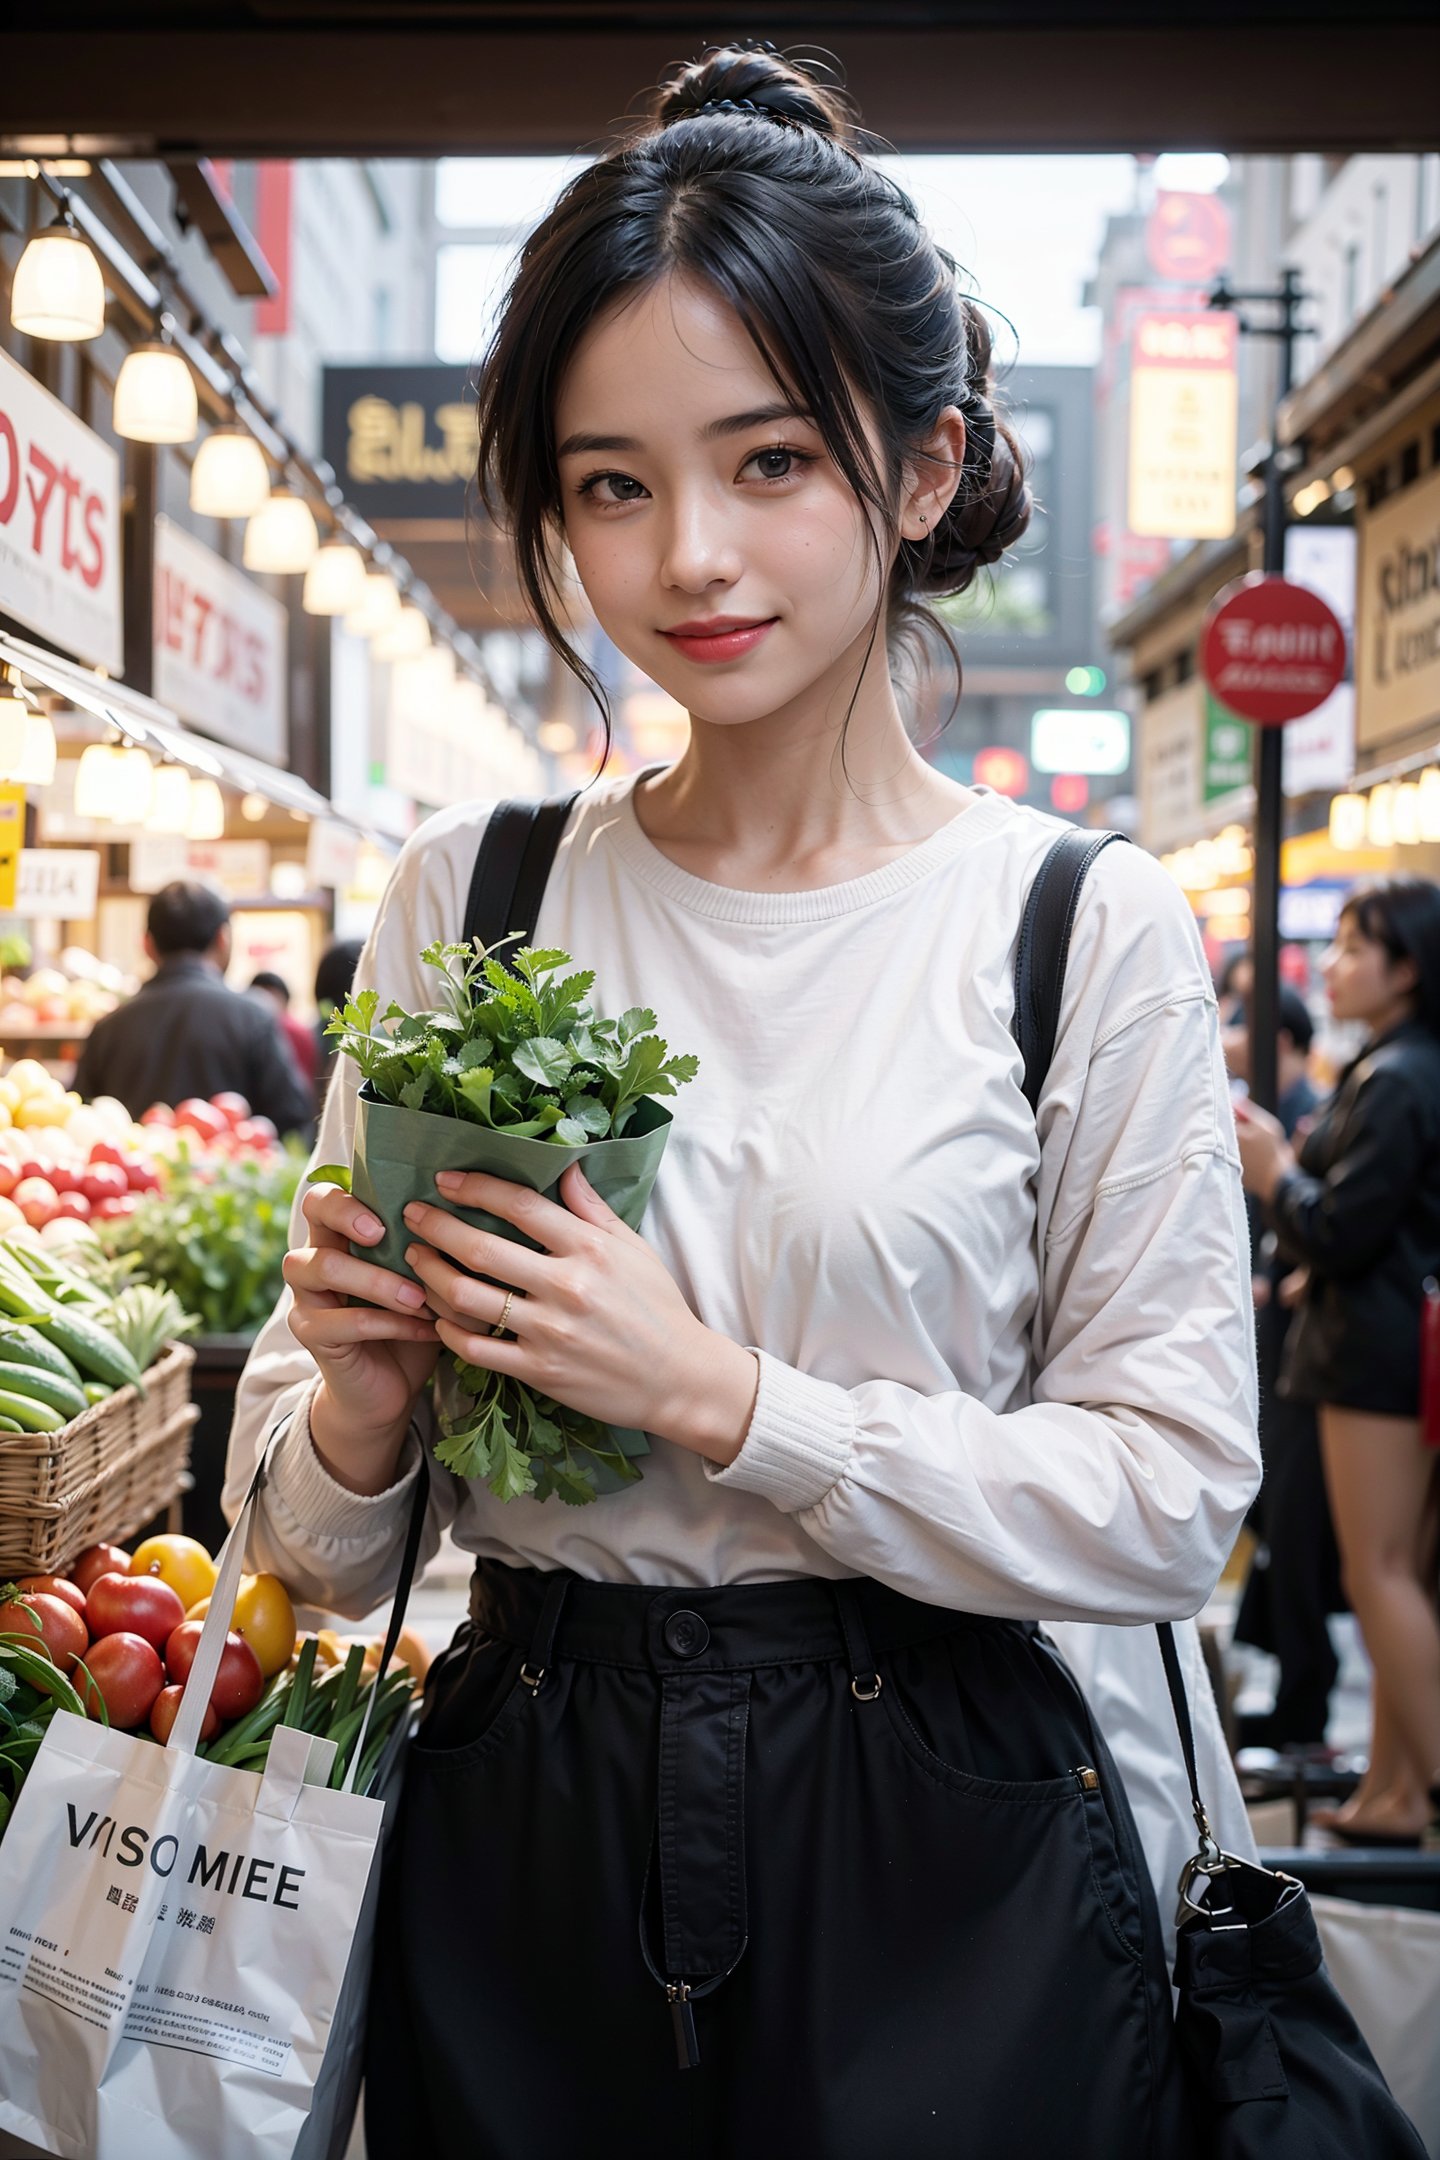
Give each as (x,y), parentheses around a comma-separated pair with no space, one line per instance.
(402,440)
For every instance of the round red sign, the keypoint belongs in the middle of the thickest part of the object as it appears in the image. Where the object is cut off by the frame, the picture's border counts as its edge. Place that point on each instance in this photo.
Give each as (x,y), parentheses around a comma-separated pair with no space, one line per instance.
(1271,651)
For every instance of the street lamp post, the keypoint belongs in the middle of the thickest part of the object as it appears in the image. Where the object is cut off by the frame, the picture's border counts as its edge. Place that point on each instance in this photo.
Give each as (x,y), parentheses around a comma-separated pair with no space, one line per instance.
(1264,1001)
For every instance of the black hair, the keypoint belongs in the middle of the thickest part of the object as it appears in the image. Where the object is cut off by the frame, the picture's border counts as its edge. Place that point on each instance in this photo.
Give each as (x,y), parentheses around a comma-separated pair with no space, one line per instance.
(186,917)
(1293,1019)
(267,979)
(1233,963)
(336,971)
(1403,915)
(748,176)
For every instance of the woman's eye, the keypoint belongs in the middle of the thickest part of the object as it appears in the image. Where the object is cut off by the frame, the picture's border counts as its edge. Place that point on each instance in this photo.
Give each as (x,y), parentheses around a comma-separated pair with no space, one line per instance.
(612,487)
(776,464)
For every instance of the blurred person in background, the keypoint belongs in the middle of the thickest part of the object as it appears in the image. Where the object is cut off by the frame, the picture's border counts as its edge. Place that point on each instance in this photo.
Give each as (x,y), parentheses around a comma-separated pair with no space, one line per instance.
(1233,987)
(1294,1581)
(333,979)
(185,1032)
(1359,1214)
(275,991)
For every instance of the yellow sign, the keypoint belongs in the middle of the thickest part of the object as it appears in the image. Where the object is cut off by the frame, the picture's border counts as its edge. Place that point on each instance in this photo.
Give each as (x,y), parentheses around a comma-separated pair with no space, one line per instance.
(12,840)
(1397,632)
(1182,426)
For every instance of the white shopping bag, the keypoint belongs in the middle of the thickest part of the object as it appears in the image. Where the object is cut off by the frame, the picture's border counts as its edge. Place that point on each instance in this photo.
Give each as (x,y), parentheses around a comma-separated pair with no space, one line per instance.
(174,1934)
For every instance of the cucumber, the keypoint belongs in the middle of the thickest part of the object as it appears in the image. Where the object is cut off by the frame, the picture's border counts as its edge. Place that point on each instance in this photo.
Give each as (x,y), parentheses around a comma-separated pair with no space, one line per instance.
(62,1395)
(27,1346)
(10,1425)
(29,1414)
(83,1341)
(98,1391)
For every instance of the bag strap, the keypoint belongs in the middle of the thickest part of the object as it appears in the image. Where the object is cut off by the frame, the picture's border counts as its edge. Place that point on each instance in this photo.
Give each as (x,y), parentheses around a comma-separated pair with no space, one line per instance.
(512,866)
(1040,957)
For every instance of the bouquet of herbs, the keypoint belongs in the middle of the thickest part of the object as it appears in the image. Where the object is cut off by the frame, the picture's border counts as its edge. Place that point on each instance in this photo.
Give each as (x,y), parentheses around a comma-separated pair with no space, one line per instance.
(515,1074)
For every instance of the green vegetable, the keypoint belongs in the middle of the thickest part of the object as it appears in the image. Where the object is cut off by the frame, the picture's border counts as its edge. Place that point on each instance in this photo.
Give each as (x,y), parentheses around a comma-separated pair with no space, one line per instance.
(27,1346)
(30,1415)
(146,1318)
(330,1173)
(518,1049)
(44,1387)
(98,1391)
(84,1342)
(216,1240)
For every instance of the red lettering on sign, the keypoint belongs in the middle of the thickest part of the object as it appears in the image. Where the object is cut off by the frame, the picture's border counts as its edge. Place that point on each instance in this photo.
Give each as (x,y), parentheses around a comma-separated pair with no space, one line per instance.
(40,501)
(10,493)
(204,609)
(93,570)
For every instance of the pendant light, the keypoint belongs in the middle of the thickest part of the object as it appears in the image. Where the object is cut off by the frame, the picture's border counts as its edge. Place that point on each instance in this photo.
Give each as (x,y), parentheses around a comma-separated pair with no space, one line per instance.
(170,810)
(57,291)
(407,636)
(155,397)
(14,725)
(1347,822)
(94,781)
(230,478)
(377,608)
(207,812)
(281,538)
(1429,786)
(37,759)
(132,787)
(335,580)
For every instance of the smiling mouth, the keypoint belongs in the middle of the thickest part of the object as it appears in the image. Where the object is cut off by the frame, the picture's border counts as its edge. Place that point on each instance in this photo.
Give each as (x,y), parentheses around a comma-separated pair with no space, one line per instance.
(718,639)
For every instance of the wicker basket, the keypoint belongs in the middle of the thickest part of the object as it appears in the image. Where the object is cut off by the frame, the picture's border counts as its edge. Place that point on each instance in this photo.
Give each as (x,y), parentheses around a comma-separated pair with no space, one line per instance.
(102,1476)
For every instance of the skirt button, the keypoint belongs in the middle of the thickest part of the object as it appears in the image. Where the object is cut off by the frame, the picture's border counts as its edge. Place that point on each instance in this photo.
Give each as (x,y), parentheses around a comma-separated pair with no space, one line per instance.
(686,1634)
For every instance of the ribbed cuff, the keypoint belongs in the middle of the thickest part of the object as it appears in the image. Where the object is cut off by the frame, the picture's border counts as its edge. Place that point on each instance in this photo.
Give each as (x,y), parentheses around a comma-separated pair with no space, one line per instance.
(300,1483)
(800,1439)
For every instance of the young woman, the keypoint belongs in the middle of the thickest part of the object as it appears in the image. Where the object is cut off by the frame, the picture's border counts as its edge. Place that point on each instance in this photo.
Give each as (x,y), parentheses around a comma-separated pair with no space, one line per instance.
(765,1761)
(1360,1211)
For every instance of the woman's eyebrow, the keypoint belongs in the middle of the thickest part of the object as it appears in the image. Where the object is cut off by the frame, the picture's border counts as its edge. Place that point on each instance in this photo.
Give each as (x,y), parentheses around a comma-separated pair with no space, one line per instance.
(731,424)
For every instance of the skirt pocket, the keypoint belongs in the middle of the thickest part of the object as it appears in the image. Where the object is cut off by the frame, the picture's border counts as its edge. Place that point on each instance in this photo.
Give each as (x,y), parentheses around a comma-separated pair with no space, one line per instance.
(472,1697)
(980,1710)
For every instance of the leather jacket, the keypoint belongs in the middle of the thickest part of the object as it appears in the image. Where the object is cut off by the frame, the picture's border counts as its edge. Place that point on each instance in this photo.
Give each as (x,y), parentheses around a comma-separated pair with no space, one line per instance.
(1362,1212)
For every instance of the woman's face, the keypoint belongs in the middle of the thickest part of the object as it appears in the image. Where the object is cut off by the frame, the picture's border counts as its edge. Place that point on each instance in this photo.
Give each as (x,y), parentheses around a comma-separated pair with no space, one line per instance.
(1362,981)
(720,548)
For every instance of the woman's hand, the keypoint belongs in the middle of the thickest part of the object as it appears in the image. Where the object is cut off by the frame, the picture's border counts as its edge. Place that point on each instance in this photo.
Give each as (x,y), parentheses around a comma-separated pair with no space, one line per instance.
(1265,1154)
(601,1324)
(374,1358)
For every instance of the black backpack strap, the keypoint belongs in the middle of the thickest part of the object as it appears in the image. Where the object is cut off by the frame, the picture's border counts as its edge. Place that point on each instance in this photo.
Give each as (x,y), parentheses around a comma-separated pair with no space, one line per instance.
(1044,948)
(512,867)
(1040,960)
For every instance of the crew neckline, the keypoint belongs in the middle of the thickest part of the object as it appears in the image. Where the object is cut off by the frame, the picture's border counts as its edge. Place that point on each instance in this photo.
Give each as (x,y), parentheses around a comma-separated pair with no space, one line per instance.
(728,903)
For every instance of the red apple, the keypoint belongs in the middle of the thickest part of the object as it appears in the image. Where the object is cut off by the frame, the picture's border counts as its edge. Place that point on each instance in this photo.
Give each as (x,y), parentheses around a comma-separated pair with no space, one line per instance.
(37,1201)
(201,1118)
(75,1205)
(125,1673)
(239,1683)
(141,1174)
(159,1113)
(119,1204)
(9,1177)
(32,1166)
(108,1151)
(39,1619)
(56,1586)
(232,1107)
(95,1561)
(166,1708)
(133,1605)
(103,1181)
(63,1179)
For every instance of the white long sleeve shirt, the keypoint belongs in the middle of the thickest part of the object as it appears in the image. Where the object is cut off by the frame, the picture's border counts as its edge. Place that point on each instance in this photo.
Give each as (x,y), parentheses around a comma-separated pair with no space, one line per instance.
(1006,1363)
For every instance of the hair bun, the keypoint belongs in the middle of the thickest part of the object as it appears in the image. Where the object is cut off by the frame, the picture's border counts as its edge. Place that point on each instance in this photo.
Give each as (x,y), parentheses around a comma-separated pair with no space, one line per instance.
(754,78)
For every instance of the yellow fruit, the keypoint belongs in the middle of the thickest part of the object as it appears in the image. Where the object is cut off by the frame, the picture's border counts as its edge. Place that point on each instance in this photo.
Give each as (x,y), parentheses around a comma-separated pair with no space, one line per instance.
(265,1617)
(180,1561)
(5,1117)
(27,1076)
(330,1649)
(9,1094)
(198,1611)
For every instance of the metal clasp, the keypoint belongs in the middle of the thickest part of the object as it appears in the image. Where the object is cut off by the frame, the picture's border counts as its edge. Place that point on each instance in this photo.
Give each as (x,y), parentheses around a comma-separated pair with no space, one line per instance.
(866,1694)
(531,1678)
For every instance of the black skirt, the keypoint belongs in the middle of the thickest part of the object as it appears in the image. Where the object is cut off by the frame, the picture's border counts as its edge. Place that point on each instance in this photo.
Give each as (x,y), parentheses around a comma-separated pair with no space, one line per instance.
(803,1868)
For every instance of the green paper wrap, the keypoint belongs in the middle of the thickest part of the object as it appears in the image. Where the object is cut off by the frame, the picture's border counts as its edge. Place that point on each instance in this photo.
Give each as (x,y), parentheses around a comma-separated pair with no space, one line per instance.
(398,1152)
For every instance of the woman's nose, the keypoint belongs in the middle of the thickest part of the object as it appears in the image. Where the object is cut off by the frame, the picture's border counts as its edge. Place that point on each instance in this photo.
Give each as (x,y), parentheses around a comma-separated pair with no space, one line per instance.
(699,548)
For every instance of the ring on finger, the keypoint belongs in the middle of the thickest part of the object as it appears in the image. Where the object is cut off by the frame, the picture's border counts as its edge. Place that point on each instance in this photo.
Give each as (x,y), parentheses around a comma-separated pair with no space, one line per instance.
(499,1327)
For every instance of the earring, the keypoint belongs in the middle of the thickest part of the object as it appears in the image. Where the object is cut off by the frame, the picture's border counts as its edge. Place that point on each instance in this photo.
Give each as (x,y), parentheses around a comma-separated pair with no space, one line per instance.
(923,520)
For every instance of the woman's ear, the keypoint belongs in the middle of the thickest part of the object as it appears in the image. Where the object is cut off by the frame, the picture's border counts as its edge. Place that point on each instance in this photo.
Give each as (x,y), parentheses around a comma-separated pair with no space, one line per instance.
(932,475)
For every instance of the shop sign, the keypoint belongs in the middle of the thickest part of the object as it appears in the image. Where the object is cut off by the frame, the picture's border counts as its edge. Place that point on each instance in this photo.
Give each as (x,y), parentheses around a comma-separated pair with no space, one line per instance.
(403,440)
(1183,402)
(1182,433)
(1079,739)
(1271,650)
(1187,237)
(238,868)
(1229,747)
(1169,765)
(1397,646)
(12,838)
(59,523)
(220,646)
(63,883)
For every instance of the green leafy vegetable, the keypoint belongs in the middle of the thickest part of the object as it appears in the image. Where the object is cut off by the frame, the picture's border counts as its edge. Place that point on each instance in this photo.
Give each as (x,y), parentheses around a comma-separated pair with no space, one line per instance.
(215,1236)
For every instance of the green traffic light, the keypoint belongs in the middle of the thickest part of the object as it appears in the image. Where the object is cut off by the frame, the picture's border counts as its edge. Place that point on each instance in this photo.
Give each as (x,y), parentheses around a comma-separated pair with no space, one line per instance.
(1085,681)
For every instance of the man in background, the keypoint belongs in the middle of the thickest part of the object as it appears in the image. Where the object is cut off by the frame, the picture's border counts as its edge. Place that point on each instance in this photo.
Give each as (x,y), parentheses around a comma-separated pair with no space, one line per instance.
(185,1033)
